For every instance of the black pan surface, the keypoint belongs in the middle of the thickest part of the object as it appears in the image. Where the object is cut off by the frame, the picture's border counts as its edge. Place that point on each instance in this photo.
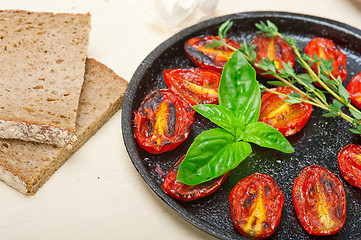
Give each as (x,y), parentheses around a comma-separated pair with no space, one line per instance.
(317,143)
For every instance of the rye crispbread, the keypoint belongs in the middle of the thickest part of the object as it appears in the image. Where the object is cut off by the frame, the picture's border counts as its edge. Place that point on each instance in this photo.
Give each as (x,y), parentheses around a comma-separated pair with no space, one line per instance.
(26,166)
(42,64)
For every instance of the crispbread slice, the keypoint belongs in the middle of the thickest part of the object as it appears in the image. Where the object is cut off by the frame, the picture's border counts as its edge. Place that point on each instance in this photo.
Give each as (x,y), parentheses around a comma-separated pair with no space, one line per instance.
(42,64)
(26,166)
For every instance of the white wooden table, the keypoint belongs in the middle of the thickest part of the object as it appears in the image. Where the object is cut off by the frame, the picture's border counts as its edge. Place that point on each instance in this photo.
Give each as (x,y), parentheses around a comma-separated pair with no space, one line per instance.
(98,194)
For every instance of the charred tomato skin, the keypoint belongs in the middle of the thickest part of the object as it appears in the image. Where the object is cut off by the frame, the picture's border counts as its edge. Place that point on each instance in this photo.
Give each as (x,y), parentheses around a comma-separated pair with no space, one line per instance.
(319,200)
(162,121)
(185,192)
(274,48)
(327,49)
(209,58)
(256,206)
(354,90)
(285,117)
(349,161)
(196,85)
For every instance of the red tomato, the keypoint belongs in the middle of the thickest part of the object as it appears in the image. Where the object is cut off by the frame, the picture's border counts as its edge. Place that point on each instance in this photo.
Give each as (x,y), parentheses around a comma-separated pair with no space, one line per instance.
(196,85)
(319,200)
(163,121)
(274,48)
(256,206)
(354,90)
(327,49)
(349,160)
(285,117)
(206,57)
(185,192)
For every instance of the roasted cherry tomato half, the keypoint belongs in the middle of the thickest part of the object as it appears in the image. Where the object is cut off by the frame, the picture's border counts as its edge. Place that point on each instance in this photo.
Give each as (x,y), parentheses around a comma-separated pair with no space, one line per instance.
(327,49)
(185,192)
(256,206)
(354,90)
(319,200)
(274,48)
(349,160)
(196,85)
(285,117)
(163,121)
(206,57)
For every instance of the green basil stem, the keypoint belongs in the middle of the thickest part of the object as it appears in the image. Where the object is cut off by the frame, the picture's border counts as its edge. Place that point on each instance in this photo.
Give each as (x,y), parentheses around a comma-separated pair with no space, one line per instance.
(319,101)
(343,115)
(316,101)
(233,48)
(288,83)
(300,99)
(315,77)
(346,103)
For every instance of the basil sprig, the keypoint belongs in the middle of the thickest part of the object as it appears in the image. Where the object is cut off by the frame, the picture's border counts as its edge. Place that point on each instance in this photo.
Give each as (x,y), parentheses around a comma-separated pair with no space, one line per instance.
(217,151)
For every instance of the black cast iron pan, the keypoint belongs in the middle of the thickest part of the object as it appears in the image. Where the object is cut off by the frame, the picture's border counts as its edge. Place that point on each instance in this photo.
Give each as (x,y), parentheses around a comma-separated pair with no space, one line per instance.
(317,143)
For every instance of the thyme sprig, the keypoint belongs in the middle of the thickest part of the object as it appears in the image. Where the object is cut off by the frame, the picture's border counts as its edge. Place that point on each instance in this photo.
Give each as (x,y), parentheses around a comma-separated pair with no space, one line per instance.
(288,77)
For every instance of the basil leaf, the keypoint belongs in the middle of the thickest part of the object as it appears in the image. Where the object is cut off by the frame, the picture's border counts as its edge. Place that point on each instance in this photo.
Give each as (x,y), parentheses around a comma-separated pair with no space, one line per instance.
(356,114)
(277,83)
(289,69)
(239,90)
(249,50)
(223,29)
(296,94)
(356,131)
(267,136)
(293,100)
(213,153)
(272,26)
(219,115)
(326,65)
(321,93)
(330,114)
(214,44)
(343,92)
(305,78)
